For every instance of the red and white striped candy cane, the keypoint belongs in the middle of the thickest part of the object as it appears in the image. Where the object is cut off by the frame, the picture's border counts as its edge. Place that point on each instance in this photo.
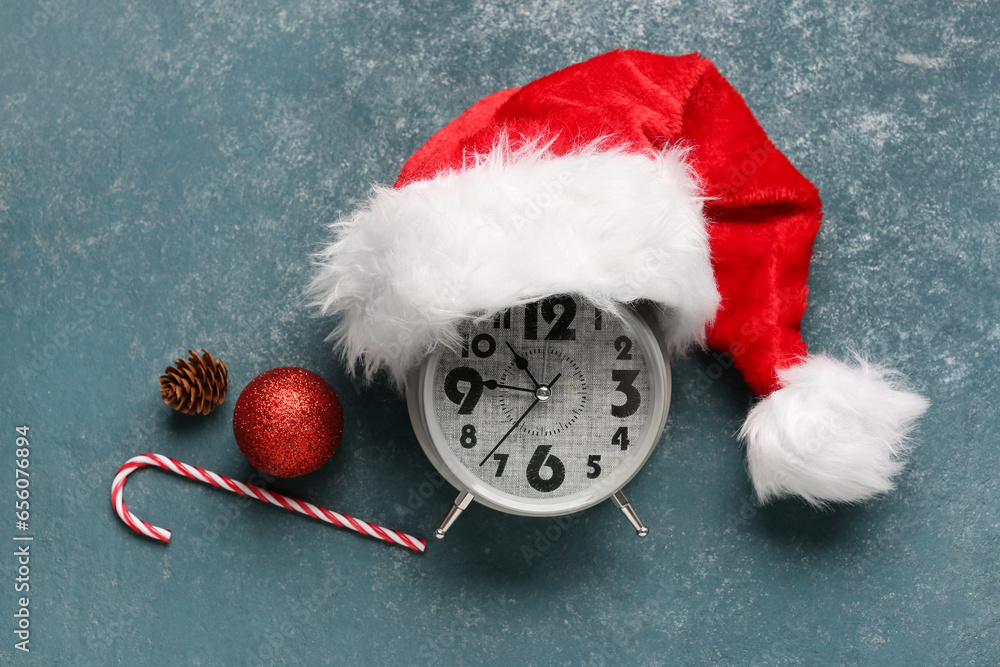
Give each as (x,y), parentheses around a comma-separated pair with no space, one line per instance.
(208,477)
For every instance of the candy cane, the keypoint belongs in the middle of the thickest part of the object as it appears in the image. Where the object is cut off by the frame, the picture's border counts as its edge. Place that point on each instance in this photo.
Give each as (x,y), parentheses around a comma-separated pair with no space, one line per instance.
(208,477)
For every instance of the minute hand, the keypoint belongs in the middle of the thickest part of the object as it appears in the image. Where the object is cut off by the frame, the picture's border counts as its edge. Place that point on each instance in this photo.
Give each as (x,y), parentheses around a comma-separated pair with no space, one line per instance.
(517,423)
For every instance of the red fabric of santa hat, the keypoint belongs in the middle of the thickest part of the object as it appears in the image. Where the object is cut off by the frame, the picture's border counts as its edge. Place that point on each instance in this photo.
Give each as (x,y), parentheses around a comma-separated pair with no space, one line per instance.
(631,176)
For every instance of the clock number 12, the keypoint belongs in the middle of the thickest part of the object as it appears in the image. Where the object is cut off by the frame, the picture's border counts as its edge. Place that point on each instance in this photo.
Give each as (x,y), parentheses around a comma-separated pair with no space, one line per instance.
(561,329)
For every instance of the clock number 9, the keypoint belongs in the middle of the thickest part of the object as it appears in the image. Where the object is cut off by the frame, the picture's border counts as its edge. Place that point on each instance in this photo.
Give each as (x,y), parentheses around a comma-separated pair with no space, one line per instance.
(541,459)
(466,400)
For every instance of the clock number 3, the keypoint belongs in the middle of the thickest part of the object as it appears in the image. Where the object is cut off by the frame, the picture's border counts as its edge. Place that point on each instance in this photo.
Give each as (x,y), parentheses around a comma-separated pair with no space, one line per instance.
(625,378)
(542,459)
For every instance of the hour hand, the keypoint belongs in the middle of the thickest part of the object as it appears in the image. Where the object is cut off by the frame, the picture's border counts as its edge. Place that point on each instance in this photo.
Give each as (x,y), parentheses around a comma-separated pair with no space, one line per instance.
(493,384)
(521,363)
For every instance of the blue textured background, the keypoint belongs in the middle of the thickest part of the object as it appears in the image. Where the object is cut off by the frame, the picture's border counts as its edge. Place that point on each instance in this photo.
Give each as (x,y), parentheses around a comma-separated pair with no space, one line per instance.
(165,169)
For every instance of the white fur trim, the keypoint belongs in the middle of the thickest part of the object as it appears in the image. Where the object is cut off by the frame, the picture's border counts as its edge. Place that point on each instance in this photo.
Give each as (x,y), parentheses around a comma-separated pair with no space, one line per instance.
(832,433)
(516,226)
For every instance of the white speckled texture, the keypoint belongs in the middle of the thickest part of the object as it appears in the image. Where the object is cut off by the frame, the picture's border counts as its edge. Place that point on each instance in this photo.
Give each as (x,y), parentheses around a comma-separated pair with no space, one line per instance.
(165,170)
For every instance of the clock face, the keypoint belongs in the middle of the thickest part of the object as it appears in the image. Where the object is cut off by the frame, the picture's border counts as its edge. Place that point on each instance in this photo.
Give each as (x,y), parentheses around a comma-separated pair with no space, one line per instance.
(545,400)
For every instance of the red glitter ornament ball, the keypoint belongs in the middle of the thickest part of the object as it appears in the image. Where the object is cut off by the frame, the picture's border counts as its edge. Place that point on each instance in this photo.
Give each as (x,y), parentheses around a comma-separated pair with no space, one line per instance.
(288,422)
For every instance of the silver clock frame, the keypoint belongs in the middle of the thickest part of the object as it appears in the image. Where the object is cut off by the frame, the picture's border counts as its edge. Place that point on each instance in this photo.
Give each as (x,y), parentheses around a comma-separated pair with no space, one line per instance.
(420,404)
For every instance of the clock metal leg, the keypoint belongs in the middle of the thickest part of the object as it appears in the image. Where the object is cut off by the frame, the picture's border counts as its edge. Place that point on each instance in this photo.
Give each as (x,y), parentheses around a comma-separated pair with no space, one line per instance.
(626,507)
(463,501)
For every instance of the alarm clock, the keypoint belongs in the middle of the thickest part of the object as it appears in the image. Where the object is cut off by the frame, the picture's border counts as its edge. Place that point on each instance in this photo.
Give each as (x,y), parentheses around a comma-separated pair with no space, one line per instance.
(543,409)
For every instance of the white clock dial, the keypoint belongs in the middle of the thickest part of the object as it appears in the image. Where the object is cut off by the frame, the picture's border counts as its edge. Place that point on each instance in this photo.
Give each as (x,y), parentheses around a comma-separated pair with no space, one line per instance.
(545,400)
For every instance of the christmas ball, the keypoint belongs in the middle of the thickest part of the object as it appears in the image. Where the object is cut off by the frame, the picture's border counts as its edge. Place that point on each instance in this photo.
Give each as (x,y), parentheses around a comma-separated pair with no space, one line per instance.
(288,422)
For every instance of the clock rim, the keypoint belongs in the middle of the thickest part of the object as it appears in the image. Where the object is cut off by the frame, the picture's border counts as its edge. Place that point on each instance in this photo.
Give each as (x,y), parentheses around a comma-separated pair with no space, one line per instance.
(420,401)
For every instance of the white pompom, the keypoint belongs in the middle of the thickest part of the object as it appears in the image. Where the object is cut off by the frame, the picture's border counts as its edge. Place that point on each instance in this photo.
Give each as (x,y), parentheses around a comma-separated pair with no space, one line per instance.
(832,433)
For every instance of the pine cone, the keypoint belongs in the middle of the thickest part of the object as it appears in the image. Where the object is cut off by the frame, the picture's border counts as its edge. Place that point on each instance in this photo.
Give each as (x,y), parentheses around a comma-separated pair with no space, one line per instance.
(195,386)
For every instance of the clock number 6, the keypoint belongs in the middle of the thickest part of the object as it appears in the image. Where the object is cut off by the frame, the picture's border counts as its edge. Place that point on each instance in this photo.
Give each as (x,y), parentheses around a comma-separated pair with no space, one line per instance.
(541,459)
(625,379)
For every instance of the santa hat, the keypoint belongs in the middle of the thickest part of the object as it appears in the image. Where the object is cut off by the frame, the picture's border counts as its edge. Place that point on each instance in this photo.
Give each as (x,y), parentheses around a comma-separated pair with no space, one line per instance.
(631,176)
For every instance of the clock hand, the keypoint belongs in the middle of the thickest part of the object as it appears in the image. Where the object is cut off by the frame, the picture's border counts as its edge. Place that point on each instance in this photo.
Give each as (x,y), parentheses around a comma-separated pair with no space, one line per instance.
(519,420)
(505,435)
(545,359)
(545,365)
(522,364)
(493,384)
